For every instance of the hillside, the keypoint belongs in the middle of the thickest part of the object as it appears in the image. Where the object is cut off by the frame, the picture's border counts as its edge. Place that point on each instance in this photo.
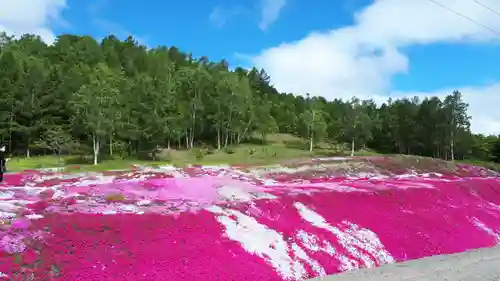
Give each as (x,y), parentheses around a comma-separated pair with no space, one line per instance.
(283,222)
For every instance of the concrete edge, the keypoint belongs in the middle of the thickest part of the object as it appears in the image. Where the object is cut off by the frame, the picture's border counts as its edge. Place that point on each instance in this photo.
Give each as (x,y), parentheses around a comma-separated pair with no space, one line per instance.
(457,266)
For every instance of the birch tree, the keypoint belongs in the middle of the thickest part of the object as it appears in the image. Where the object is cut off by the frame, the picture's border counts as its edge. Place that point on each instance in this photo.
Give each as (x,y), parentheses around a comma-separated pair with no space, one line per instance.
(96,104)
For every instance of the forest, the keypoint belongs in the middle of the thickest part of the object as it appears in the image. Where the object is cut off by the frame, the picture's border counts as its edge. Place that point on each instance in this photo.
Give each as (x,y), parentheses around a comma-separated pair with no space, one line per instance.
(117,97)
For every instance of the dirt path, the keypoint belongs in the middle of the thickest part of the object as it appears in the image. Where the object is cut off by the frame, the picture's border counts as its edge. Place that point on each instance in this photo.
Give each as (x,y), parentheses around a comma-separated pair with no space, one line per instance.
(475,265)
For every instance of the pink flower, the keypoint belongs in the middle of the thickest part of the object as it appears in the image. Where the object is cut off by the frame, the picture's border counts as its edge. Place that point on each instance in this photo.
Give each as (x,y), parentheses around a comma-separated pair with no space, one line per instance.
(46,194)
(29,257)
(12,244)
(38,206)
(21,224)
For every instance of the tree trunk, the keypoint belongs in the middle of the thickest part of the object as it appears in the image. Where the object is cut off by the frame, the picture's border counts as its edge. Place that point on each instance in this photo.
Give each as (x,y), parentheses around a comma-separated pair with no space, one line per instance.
(168,144)
(218,138)
(28,154)
(96,145)
(10,127)
(191,143)
(352,147)
(130,148)
(60,161)
(245,131)
(312,131)
(452,147)
(139,147)
(226,140)
(111,145)
(452,136)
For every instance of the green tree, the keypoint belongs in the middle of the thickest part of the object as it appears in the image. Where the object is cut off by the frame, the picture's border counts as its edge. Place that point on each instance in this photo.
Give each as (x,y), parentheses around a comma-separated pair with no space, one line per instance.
(96,103)
(456,115)
(357,125)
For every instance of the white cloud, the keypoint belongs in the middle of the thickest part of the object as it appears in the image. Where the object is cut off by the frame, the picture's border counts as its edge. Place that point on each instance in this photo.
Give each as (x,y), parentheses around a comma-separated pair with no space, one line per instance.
(18,17)
(483,105)
(96,6)
(219,15)
(118,30)
(362,59)
(270,12)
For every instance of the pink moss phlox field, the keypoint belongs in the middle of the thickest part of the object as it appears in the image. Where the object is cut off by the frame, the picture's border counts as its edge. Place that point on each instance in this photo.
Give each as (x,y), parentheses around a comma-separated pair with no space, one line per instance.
(292,222)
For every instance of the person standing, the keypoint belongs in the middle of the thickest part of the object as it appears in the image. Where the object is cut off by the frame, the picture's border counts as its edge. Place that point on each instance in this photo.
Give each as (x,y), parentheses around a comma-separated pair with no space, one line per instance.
(2,162)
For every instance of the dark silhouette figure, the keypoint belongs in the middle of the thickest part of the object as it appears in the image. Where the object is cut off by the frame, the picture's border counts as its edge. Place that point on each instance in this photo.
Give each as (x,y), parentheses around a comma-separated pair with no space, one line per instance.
(2,162)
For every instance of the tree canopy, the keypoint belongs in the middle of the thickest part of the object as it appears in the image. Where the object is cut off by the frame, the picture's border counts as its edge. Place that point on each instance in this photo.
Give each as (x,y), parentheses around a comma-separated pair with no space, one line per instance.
(121,97)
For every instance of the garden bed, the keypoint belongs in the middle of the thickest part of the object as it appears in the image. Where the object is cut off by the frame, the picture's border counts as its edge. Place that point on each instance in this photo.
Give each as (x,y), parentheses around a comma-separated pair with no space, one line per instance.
(293,222)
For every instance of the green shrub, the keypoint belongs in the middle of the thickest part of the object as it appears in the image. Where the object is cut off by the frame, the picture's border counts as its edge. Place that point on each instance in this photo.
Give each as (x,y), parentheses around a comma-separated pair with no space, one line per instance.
(145,155)
(229,150)
(198,153)
(79,160)
(164,155)
(120,148)
(251,151)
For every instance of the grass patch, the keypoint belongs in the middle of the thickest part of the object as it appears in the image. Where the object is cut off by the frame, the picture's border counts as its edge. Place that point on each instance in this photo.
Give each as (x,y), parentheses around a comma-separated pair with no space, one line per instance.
(21,164)
(489,165)
(275,150)
(278,148)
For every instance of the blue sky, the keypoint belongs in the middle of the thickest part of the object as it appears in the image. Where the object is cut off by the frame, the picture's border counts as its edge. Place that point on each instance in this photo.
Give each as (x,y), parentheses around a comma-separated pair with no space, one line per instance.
(441,65)
(371,49)
(188,25)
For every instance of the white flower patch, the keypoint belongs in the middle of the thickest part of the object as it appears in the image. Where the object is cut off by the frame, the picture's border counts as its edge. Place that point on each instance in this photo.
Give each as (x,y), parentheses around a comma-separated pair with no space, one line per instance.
(7,215)
(129,208)
(144,203)
(270,182)
(260,240)
(404,184)
(234,193)
(34,217)
(352,239)
(479,224)
(369,175)
(240,194)
(326,159)
(54,169)
(35,191)
(312,243)
(6,194)
(96,181)
(168,168)
(61,194)
(301,254)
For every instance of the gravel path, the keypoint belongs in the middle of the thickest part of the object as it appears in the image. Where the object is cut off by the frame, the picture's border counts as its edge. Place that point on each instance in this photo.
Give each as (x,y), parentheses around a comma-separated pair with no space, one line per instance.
(476,265)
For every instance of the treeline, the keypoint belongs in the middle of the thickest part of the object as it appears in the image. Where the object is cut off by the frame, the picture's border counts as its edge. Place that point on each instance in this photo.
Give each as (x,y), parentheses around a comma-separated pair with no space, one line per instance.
(118,97)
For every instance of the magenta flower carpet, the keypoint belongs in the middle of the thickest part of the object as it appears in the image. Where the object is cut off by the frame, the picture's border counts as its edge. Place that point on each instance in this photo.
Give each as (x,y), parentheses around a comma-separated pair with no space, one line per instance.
(234,223)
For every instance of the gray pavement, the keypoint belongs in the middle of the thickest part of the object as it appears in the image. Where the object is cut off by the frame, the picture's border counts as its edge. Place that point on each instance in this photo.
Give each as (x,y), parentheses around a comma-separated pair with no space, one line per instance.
(475,265)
